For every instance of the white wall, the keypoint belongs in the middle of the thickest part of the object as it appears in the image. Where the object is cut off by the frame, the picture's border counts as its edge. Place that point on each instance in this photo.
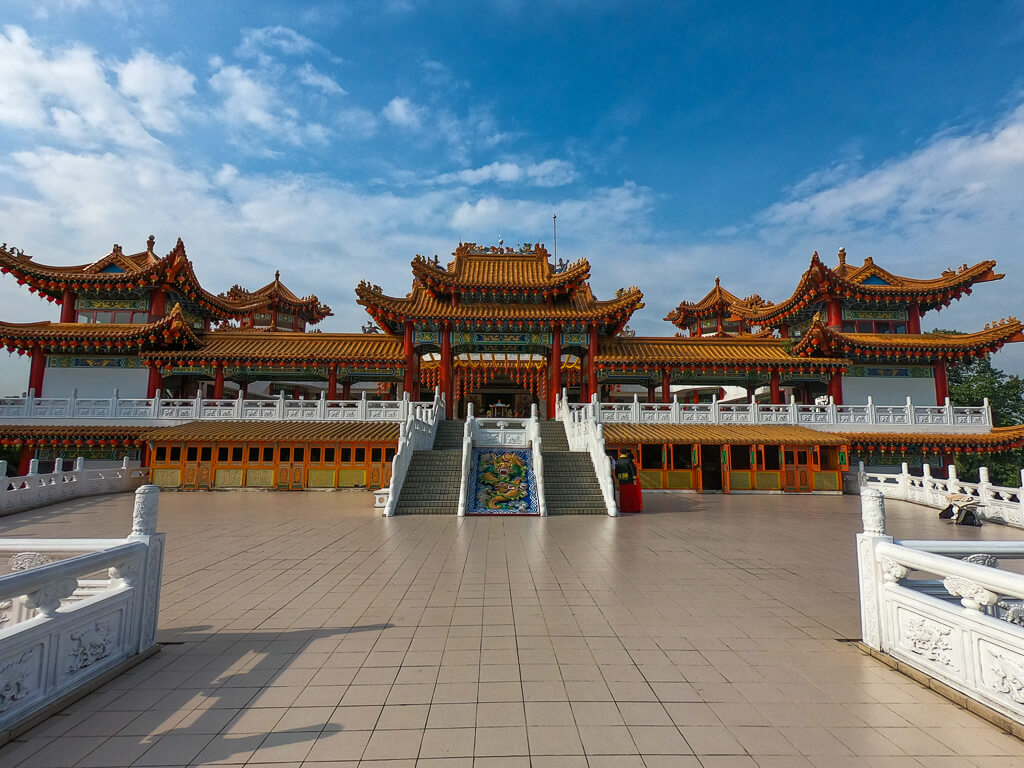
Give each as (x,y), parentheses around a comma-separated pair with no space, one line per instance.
(95,382)
(887,391)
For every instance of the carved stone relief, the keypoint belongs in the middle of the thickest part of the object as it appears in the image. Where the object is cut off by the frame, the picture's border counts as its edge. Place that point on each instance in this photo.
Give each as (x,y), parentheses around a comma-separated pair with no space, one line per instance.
(89,644)
(929,639)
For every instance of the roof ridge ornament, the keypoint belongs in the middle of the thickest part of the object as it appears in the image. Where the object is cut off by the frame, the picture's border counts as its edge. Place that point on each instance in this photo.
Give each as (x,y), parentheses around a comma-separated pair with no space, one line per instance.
(842,256)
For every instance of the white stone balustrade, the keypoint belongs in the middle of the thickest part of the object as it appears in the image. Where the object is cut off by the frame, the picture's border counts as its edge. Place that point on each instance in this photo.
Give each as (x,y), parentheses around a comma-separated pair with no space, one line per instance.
(160,410)
(416,433)
(36,490)
(999,504)
(584,433)
(961,624)
(64,622)
(827,418)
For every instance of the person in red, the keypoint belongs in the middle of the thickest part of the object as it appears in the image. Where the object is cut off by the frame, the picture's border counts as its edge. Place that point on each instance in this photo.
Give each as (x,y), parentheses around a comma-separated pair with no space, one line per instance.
(630,498)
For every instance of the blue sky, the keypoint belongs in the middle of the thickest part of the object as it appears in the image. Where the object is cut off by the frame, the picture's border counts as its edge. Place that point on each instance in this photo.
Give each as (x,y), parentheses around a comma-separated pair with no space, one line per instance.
(675,141)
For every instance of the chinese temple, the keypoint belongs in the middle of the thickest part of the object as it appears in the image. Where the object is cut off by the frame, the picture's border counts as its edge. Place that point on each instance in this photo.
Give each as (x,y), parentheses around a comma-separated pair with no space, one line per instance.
(504,329)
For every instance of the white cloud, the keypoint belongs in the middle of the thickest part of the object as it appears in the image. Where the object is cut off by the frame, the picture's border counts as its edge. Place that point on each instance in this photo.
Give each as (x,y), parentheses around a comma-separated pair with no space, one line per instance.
(403,113)
(161,90)
(246,100)
(309,75)
(548,173)
(256,41)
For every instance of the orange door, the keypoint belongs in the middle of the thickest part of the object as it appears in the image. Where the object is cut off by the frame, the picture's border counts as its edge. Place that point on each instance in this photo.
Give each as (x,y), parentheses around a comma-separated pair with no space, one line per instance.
(796,474)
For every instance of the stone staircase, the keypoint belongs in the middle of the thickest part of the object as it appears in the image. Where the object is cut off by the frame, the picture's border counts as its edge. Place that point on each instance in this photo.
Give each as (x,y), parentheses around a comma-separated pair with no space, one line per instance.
(432,481)
(570,484)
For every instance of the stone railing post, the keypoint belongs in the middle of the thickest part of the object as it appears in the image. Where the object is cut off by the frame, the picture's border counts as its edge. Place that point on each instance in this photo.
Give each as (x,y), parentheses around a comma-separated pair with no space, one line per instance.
(872,505)
(987,416)
(154,405)
(861,479)
(362,407)
(79,463)
(124,462)
(58,466)
(753,410)
(321,406)
(112,413)
(715,412)
(280,405)
(869,414)
(833,411)
(3,469)
(30,403)
(949,412)
(33,467)
(635,415)
(675,413)
(984,485)
(239,411)
(953,480)
(144,520)
(197,404)
(793,417)
(403,407)
(904,480)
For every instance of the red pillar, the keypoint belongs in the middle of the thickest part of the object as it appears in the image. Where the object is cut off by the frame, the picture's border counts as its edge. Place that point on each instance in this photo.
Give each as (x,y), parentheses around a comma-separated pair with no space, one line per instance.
(26,456)
(914,318)
(650,393)
(407,351)
(332,382)
(554,368)
(446,370)
(774,390)
(835,313)
(835,387)
(666,385)
(784,330)
(273,319)
(157,304)
(346,390)
(719,327)
(218,382)
(38,369)
(67,307)
(592,362)
(941,384)
(155,380)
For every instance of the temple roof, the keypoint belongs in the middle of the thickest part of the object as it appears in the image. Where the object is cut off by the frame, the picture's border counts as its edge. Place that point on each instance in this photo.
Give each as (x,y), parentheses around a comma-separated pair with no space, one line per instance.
(499,269)
(997,439)
(170,330)
(312,431)
(421,304)
(718,301)
(312,348)
(117,272)
(70,434)
(819,339)
(869,283)
(706,434)
(730,351)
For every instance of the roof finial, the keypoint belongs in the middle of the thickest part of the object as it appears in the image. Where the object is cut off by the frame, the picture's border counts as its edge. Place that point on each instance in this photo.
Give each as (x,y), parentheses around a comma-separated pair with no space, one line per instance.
(718,281)
(117,248)
(842,256)
(277,275)
(150,243)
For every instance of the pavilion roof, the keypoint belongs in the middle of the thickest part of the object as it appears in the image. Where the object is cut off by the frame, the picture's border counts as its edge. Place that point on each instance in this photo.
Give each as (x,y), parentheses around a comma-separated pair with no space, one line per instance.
(311,348)
(70,434)
(997,439)
(869,283)
(340,431)
(819,339)
(500,270)
(703,351)
(172,330)
(728,434)
(144,270)
(718,301)
(423,305)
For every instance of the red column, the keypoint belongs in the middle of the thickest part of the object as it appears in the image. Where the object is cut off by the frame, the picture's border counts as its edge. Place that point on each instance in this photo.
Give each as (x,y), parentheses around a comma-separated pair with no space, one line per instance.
(155,380)
(718,323)
(332,382)
(24,458)
(38,369)
(446,370)
(554,368)
(773,387)
(218,382)
(346,390)
(941,384)
(157,304)
(650,393)
(914,318)
(273,319)
(666,385)
(67,307)
(696,395)
(784,330)
(835,387)
(592,362)
(408,352)
(835,313)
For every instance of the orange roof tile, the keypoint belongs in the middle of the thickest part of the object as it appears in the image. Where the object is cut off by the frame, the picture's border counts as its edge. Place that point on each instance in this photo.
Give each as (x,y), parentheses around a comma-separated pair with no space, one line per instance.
(701,350)
(287,346)
(314,431)
(717,301)
(18,433)
(707,434)
(497,269)
(998,439)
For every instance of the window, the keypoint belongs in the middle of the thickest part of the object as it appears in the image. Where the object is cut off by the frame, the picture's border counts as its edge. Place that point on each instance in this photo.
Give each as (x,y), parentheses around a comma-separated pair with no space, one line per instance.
(104,317)
(161,454)
(739,456)
(122,316)
(192,453)
(651,456)
(314,454)
(85,317)
(360,455)
(206,453)
(389,454)
(682,456)
(254,454)
(328,455)
(286,453)
(236,454)
(300,453)
(375,455)
(828,457)
(346,455)
(268,454)
(771,457)
(222,453)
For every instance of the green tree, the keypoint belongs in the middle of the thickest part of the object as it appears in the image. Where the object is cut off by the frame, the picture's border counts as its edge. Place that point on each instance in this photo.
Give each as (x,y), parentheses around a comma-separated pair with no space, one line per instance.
(969,384)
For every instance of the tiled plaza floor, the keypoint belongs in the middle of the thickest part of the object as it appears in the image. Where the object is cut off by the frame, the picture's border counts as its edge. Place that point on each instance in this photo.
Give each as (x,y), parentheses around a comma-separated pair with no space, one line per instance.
(706,632)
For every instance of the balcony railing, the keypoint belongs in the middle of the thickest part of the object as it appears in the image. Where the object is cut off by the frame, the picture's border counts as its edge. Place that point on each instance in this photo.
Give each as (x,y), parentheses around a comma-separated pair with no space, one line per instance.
(828,417)
(172,410)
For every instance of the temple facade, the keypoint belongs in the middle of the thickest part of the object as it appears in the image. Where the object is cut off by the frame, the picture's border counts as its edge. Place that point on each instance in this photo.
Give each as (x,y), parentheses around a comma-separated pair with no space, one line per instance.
(503,329)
